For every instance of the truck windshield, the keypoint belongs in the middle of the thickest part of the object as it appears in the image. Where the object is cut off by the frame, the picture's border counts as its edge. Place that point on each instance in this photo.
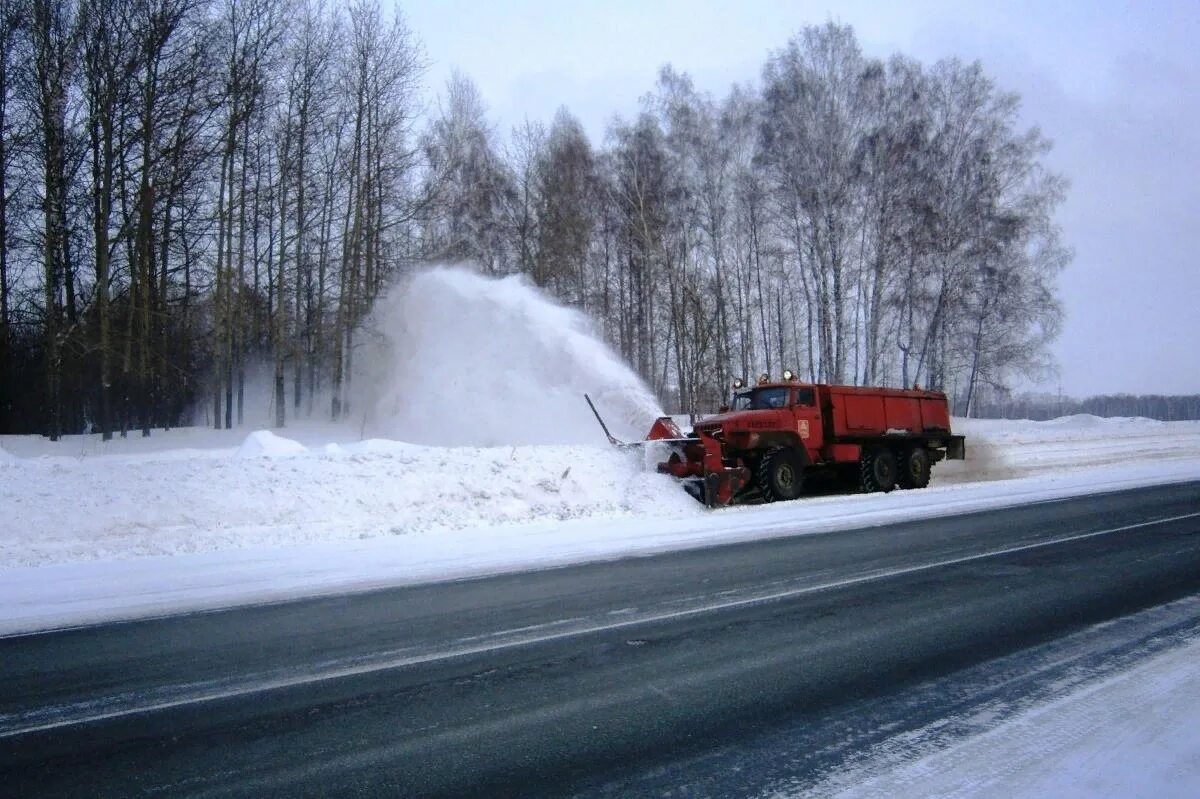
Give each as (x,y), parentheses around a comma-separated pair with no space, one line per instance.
(759,399)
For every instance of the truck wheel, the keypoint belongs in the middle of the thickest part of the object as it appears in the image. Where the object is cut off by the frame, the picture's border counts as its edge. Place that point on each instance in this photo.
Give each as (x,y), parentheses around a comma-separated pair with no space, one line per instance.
(914,469)
(780,475)
(878,471)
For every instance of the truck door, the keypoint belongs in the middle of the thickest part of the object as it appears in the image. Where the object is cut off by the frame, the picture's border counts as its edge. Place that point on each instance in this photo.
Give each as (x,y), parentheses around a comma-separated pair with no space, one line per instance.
(807,418)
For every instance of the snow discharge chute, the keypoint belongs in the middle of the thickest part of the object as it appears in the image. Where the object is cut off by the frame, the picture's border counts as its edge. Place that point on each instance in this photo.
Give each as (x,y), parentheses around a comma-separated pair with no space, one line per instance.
(453,358)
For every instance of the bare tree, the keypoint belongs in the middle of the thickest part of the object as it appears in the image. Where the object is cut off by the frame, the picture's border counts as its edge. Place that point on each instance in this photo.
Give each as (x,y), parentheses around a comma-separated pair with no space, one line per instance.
(470,185)
(526,158)
(566,185)
(309,67)
(54,35)
(242,178)
(811,130)
(12,17)
(252,30)
(379,84)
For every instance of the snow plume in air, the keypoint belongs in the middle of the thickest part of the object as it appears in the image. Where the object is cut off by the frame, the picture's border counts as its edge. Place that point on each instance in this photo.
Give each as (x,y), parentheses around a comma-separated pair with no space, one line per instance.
(453,358)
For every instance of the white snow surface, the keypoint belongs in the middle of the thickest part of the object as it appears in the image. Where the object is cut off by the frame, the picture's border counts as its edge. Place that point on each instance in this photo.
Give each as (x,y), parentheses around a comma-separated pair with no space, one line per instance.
(190,518)
(1134,734)
(264,443)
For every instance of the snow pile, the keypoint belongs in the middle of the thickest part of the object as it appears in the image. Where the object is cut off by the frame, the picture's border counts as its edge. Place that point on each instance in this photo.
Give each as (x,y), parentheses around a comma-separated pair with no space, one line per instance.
(215,491)
(8,459)
(65,509)
(998,449)
(456,359)
(264,443)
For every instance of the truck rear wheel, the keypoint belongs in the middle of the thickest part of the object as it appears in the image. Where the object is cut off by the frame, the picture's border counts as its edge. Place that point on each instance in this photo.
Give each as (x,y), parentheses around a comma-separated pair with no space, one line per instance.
(780,475)
(914,468)
(878,470)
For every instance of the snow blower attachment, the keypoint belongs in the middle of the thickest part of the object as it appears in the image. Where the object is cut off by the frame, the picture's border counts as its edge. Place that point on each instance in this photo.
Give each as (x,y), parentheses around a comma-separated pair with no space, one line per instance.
(696,460)
(777,436)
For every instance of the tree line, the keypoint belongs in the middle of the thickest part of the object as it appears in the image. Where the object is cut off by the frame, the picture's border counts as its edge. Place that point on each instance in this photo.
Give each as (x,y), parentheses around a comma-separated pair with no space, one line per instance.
(1042,406)
(194,191)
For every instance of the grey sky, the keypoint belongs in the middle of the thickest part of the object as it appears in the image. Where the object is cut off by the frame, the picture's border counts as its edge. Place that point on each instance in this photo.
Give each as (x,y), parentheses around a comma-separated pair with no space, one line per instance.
(1115,85)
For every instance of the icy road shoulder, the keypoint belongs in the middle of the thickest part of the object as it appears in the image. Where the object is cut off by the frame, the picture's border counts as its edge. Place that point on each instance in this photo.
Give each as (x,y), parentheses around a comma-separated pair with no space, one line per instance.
(1132,733)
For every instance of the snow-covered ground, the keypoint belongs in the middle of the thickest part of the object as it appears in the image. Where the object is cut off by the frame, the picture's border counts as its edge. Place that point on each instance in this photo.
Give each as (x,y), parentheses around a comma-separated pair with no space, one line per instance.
(1130,733)
(196,518)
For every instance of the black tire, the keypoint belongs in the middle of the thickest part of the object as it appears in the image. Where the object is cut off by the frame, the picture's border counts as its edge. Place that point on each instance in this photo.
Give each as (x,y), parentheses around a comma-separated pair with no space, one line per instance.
(914,468)
(780,475)
(878,471)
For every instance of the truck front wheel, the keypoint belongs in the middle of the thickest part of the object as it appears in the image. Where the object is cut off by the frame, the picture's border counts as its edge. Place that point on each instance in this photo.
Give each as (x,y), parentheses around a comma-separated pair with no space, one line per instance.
(780,475)
(878,470)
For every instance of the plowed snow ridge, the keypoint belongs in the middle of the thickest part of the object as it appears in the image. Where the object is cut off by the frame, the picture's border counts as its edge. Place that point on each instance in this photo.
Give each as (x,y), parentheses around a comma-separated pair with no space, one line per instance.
(216,492)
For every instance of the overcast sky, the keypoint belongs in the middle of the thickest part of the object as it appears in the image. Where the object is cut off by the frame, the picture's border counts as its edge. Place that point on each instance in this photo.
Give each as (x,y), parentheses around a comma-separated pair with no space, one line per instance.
(1115,85)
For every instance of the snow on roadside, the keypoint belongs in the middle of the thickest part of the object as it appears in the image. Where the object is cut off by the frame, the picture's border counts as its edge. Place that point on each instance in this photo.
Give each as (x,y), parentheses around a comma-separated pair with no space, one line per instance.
(274,492)
(215,493)
(265,444)
(85,539)
(1133,734)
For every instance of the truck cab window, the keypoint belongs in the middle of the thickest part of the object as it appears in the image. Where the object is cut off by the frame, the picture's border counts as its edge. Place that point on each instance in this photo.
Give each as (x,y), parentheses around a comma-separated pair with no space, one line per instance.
(804,396)
(760,399)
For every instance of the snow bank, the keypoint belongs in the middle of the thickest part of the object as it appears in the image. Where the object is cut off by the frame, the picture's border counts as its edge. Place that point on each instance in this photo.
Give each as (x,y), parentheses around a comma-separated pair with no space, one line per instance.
(1000,449)
(8,459)
(63,509)
(456,359)
(63,502)
(264,443)
(272,529)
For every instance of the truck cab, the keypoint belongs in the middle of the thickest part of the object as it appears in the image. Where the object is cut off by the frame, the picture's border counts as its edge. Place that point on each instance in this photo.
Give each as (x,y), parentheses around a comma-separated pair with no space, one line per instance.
(769,415)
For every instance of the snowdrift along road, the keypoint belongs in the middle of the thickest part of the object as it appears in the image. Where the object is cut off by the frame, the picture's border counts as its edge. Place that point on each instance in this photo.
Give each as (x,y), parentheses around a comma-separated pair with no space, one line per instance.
(206,491)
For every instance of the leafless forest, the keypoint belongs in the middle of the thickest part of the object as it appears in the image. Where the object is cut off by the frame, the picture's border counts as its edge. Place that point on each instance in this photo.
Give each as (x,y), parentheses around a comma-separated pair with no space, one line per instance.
(193,190)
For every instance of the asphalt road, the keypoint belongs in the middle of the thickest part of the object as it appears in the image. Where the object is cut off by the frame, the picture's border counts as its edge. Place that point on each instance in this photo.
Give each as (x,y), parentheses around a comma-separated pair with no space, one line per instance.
(571,680)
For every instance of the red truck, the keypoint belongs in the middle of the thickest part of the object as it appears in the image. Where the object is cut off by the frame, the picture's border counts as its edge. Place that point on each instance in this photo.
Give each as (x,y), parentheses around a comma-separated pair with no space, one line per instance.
(776,435)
